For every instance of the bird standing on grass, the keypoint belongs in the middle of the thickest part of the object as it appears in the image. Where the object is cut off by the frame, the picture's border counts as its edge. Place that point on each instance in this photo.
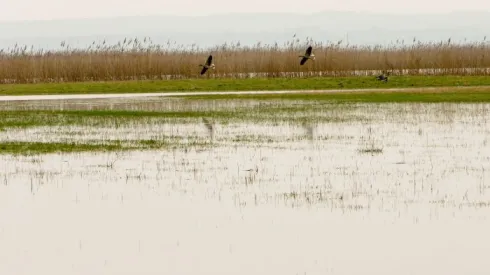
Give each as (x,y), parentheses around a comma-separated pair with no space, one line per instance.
(382,77)
(207,65)
(307,55)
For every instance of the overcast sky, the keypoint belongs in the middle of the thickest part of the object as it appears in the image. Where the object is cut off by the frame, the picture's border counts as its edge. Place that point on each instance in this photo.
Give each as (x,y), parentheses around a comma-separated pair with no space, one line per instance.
(57,9)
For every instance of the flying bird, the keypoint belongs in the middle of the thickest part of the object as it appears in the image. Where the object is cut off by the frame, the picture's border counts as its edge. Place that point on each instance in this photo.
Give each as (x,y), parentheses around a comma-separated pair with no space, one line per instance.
(208,65)
(307,55)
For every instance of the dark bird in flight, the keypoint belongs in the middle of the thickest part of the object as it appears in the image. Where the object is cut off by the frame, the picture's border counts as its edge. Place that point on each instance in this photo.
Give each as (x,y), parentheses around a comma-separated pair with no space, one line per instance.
(208,65)
(307,55)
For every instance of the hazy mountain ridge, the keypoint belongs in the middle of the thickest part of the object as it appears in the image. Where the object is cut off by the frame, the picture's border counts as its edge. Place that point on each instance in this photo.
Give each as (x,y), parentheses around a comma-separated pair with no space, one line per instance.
(358,28)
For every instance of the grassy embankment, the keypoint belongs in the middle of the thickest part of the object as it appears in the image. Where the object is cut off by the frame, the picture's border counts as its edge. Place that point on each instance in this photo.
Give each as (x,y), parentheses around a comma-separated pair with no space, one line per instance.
(274,84)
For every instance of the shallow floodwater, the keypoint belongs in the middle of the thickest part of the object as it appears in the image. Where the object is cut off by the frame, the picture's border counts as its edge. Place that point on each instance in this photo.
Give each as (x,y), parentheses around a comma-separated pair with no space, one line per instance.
(404,190)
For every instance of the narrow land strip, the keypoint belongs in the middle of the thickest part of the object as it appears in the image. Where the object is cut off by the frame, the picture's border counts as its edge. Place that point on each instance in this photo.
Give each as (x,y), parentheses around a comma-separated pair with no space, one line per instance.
(253,84)
(428,90)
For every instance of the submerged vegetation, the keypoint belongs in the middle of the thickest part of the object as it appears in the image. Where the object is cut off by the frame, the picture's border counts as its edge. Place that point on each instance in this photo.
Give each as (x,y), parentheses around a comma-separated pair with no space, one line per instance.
(140,59)
(54,126)
(119,118)
(33,148)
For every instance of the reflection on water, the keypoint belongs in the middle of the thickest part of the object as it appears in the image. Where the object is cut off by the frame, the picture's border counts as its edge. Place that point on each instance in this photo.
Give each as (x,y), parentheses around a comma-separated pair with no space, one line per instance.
(406,192)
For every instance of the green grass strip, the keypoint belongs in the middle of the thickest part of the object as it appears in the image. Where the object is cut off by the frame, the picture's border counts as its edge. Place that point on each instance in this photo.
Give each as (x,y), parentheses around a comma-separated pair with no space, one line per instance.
(251,84)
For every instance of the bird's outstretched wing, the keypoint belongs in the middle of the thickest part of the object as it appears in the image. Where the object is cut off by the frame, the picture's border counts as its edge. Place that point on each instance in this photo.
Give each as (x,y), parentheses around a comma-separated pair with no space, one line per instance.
(210,59)
(308,51)
(204,69)
(303,60)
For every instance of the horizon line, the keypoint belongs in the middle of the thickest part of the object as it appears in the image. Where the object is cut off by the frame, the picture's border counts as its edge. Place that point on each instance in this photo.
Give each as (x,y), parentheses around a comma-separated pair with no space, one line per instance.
(237,13)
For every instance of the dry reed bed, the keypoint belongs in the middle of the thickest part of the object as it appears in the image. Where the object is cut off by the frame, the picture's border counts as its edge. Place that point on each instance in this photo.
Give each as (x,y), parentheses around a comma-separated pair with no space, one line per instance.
(134,59)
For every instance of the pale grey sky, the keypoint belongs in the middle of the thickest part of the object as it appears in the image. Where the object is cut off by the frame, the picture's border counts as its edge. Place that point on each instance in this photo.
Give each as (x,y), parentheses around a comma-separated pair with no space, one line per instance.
(58,9)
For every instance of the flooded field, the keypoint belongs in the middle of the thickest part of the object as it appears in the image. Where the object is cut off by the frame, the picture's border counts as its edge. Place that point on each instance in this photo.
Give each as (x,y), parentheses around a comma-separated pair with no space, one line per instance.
(246,187)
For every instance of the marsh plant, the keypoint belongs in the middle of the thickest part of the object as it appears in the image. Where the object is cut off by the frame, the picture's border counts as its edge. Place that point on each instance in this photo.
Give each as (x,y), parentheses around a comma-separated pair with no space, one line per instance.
(141,59)
(370,144)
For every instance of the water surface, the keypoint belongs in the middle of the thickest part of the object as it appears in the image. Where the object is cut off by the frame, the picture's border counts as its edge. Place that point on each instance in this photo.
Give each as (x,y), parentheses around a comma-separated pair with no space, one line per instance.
(395,189)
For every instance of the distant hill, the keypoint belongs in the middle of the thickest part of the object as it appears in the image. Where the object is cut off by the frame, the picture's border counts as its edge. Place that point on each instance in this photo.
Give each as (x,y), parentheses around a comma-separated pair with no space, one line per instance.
(357,28)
